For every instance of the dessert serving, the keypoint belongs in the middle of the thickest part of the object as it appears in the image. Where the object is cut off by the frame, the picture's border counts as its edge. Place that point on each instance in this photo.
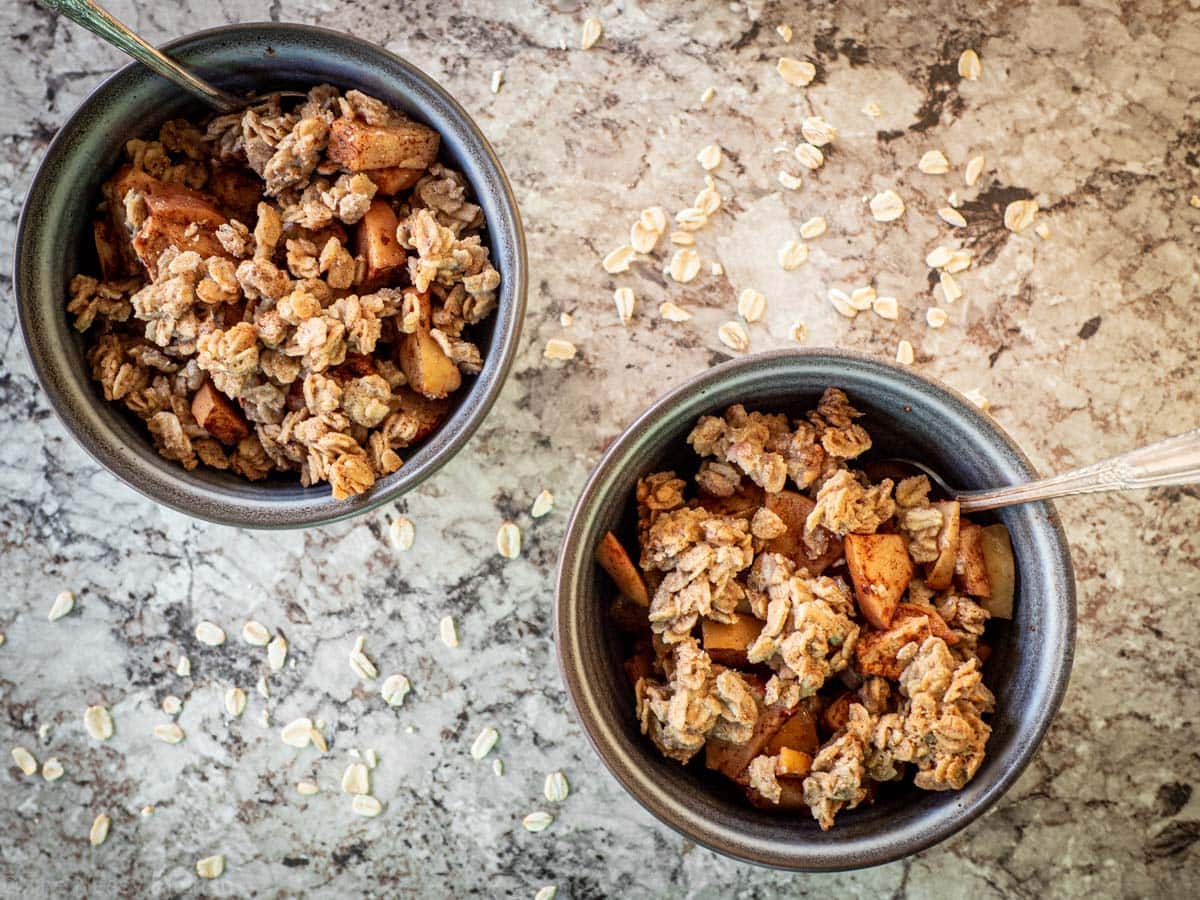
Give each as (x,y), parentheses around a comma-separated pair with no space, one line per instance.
(287,289)
(811,629)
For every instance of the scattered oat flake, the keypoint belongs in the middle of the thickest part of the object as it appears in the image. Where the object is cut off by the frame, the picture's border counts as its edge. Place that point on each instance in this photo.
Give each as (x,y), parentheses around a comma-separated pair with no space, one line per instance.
(356,779)
(307,788)
(790,181)
(184,668)
(709,157)
(448,631)
(262,687)
(99,831)
(62,605)
(643,237)
(817,131)
(654,218)
(2,638)
(559,348)
(1041,229)
(685,265)
(171,705)
(1019,215)
(394,689)
(565,319)
(752,305)
(265,718)
(148,810)
(960,261)
(1194,201)
(709,93)
(210,634)
(975,395)
(969,66)
(935,317)
(887,206)
(683,238)
(792,255)
(872,109)
(98,723)
(169,733)
(235,701)
(785,32)
(950,288)
(798,332)
(402,533)
(52,769)
(717,269)
(813,228)
(952,199)
(297,733)
(25,760)
(672,312)
(708,201)
(904,353)
(362,666)
(593,28)
(497,767)
(211,866)
(862,298)
(542,504)
(973,170)
(691,219)
(484,742)
(733,335)
(796,72)
(809,156)
(841,302)
(497,80)
(366,805)
(624,300)
(937,257)
(256,634)
(277,652)
(371,757)
(934,162)
(537,821)
(952,216)
(318,738)
(508,540)
(886,308)
(618,261)
(556,788)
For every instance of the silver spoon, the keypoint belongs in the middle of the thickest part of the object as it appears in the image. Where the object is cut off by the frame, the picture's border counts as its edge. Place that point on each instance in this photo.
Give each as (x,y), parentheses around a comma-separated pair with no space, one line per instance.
(101,23)
(1173,461)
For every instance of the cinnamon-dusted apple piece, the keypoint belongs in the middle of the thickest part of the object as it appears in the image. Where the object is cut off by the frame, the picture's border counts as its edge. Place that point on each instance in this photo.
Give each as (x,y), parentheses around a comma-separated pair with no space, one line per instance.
(970,567)
(218,415)
(881,569)
(793,509)
(375,241)
(1002,571)
(794,763)
(429,412)
(726,643)
(177,217)
(429,370)
(616,562)
(940,572)
(394,179)
(357,147)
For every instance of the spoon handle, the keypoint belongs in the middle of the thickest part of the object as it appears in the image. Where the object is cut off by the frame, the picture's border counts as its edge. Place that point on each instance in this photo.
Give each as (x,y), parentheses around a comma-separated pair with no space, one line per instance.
(1173,461)
(101,23)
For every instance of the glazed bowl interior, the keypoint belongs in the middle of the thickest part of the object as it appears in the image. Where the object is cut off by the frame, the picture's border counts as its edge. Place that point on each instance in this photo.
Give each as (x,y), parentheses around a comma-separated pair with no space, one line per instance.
(54,242)
(906,416)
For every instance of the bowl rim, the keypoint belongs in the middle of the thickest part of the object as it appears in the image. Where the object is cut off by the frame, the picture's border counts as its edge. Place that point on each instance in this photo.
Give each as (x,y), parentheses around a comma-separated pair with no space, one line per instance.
(309,511)
(574,563)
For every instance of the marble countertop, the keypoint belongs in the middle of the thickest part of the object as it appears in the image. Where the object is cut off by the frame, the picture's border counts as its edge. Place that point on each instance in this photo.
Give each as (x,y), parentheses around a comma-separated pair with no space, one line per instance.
(1085,342)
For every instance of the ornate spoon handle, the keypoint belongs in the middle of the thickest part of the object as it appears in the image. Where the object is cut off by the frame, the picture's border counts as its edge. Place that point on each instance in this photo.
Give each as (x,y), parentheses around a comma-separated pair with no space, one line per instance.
(101,23)
(1173,461)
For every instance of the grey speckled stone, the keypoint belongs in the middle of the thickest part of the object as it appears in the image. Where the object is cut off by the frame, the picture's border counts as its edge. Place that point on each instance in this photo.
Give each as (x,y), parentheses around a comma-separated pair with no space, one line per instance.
(1086,344)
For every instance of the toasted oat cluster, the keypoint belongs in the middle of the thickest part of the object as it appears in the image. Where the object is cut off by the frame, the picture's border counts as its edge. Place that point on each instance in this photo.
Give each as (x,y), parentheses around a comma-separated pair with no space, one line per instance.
(813,630)
(287,290)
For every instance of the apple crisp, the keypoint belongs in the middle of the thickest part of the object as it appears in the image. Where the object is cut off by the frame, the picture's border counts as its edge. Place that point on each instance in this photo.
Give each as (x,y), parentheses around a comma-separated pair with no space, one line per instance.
(287,290)
(814,632)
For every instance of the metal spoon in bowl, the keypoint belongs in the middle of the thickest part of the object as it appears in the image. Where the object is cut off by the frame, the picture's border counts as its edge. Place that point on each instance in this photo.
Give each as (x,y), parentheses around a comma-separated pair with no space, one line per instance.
(1175,460)
(101,23)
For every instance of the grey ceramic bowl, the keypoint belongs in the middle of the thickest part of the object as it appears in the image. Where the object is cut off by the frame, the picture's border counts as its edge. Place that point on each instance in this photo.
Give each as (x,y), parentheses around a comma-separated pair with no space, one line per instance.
(907,415)
(54,228)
